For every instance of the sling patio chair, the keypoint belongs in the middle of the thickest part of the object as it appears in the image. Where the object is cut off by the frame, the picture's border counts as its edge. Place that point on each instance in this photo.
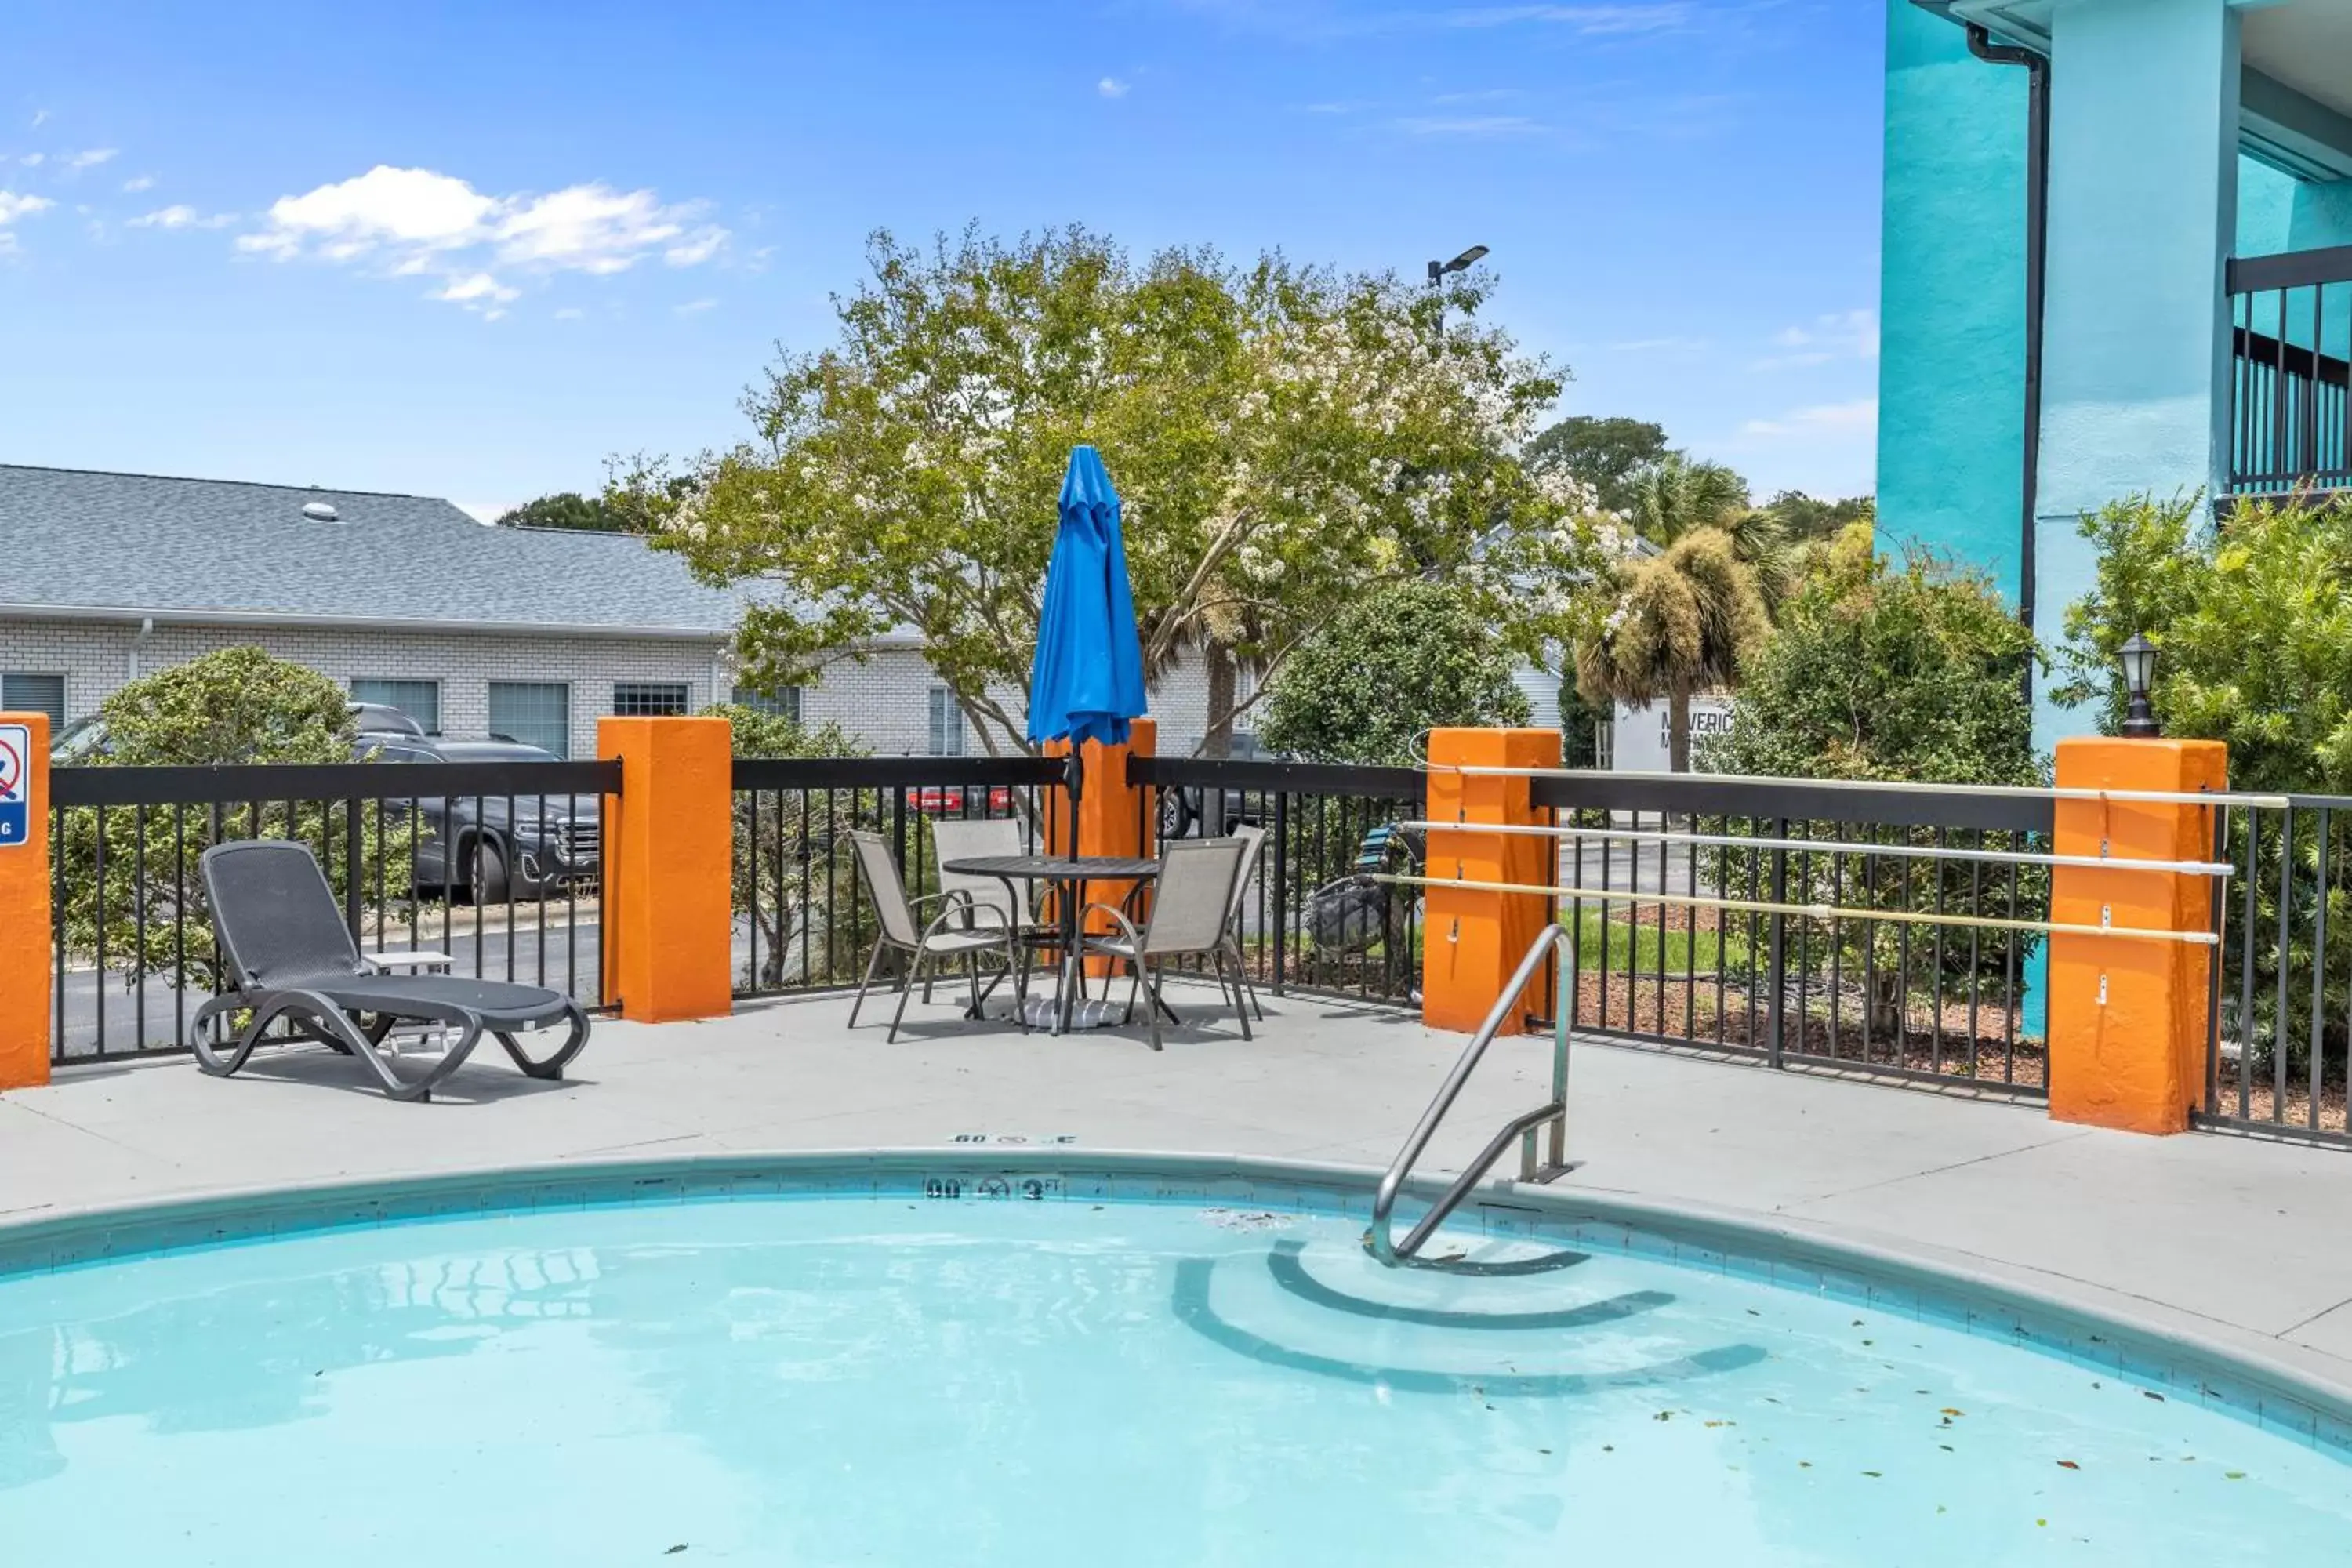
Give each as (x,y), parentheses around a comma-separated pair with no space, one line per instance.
(1191,906)
(286,955)
(963,929)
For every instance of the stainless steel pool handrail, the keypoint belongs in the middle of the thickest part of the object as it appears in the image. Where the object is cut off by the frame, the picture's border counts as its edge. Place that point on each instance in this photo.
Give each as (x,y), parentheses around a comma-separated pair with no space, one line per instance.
(1380,1238)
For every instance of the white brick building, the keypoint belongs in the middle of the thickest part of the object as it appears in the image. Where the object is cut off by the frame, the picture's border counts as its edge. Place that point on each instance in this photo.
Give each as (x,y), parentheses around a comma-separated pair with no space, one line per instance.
(407,600)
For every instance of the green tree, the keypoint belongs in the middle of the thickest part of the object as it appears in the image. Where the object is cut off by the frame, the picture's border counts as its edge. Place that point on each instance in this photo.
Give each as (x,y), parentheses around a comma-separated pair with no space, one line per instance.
(2253,624)
(1678,496)
(1283,436)
(1609,454)
(569,510)
(1405,660)
(2253,621)
(1802,517)
(1682,623)
(1884,672)
(236,705)
(1887,672)
(792,868)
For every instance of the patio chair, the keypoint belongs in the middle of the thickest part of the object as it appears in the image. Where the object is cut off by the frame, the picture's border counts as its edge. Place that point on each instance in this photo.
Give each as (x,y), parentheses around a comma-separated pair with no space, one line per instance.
(962,928)
(288,956)
(993,900)
(1191,904)
(1252,838)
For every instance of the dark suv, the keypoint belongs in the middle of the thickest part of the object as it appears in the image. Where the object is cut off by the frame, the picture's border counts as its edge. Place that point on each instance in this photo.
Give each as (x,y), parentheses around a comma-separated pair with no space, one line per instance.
(495,847)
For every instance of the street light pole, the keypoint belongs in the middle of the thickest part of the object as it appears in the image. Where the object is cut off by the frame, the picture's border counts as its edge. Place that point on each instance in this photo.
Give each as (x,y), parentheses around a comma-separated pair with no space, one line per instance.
(1437,273)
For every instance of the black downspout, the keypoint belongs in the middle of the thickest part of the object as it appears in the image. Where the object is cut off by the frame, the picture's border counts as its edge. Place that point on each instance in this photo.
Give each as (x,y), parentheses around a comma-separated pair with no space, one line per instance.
(2037,250)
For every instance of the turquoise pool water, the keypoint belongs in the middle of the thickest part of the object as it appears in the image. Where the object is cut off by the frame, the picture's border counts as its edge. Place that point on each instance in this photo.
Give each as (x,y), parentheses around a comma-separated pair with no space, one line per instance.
(892,1381)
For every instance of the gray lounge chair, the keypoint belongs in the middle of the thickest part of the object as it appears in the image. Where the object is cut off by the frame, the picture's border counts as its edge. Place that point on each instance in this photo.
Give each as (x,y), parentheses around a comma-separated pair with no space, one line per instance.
(1191,904)
(286,955)
(960,931)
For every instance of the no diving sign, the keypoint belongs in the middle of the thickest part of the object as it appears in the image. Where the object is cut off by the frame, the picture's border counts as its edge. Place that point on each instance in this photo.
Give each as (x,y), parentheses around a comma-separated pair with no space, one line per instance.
(15,785)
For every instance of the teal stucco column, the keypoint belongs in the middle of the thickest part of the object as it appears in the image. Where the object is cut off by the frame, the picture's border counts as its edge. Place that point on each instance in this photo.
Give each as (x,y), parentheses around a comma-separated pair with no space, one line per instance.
(2143,207)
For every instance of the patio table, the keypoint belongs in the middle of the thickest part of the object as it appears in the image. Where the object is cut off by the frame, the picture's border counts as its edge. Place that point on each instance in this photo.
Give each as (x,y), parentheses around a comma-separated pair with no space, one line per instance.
(1070,874)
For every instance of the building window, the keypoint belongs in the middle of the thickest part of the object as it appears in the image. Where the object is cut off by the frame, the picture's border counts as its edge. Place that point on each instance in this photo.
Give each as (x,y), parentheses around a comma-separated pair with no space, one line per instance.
(420,699)
(947,725)
(535,712)
(785,704)
(35,694)
(649,698)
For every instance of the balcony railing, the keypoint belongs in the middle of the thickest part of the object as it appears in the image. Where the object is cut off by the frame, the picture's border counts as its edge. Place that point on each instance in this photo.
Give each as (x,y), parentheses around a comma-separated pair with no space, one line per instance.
(2290,370)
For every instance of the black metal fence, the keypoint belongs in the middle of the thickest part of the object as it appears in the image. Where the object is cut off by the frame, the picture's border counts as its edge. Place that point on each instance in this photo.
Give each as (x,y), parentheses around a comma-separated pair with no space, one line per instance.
(1906,997)
(495,866)
(802,921)
(2290,368)
(1313,918)
(2279,1043)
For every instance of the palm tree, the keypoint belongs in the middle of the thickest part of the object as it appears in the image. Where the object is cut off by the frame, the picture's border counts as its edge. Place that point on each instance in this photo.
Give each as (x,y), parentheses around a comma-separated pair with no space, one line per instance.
(1676,496)
(1684,621)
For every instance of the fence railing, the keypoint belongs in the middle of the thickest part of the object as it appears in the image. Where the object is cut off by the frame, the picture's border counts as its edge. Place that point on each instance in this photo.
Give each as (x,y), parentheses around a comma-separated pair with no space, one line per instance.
(496,866)
(1312,919)
(2279,1042)
(2290,370)
(802,921)
(1648,864)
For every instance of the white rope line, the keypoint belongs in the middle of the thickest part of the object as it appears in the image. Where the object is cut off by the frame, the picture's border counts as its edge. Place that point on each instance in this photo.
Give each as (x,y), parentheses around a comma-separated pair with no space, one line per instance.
(1826,846)
(2011,792)
(1809,912)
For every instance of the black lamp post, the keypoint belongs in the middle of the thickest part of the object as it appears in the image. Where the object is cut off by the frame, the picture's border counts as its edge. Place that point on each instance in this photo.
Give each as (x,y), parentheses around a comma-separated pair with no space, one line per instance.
(2138,658)
(1438,270)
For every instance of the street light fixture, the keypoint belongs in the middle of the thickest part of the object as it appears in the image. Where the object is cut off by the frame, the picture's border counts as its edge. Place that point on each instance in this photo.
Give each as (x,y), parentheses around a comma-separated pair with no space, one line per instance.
(2138,658)
(1461,263)
(1437,271)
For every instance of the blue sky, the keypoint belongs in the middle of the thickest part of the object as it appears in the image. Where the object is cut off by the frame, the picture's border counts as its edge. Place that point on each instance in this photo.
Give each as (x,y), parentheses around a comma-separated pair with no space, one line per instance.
(472,250)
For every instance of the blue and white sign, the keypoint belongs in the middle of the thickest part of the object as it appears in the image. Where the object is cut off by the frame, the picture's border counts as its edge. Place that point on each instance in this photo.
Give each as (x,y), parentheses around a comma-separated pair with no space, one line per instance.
(15,785)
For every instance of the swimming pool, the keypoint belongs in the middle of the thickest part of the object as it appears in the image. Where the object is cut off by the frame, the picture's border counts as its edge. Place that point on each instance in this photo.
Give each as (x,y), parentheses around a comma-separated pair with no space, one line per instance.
(920,1361)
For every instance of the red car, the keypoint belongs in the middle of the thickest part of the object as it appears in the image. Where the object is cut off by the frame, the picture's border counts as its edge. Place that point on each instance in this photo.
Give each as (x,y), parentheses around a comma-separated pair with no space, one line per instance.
(961,800)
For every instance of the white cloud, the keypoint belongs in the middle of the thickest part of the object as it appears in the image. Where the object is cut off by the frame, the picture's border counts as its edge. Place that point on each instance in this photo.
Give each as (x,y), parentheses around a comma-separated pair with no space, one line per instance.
(33,159)
(1111,87)
(487,511)
(1838,335)
(570,313)
(1476,127)
(1825,421)
(695,307)
(91,159)
(180,216)
(40,117)
(478,291)
(696,249)
(14,206)
(143,183)
(1592,21)
(419,221)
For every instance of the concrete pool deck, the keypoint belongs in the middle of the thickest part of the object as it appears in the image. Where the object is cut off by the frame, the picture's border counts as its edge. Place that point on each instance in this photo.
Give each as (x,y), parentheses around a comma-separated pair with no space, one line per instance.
(2243,1242)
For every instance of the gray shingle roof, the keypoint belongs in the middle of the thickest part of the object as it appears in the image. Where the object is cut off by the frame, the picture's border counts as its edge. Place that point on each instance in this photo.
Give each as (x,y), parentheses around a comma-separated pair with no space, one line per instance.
(79,543)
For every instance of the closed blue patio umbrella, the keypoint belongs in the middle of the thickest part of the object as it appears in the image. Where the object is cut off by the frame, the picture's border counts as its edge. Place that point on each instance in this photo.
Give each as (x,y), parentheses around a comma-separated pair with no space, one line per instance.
(1086,682)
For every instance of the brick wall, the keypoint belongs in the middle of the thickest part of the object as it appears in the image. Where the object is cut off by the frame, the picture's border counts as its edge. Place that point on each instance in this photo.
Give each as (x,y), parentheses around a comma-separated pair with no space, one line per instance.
(94,659)
(885,701)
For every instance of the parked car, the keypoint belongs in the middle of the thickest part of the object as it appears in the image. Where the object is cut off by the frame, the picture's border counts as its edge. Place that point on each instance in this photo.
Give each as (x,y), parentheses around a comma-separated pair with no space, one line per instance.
(491,848)
(961,800)
(1183,810)
(85,740)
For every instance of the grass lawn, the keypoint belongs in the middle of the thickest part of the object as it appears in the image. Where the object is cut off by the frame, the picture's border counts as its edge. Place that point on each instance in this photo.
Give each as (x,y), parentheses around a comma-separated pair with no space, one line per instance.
(1601,941)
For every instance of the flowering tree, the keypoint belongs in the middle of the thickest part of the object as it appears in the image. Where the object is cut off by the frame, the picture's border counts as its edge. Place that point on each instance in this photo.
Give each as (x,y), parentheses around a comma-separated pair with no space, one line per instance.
(1286,439)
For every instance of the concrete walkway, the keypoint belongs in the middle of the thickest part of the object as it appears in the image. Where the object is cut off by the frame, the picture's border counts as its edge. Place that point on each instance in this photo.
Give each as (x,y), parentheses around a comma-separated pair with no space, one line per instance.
(2242,1241)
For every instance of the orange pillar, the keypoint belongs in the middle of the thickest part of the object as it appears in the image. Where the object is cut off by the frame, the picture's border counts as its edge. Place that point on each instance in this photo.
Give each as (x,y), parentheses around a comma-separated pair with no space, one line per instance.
(25,919)
(1470,941)
(1114,817)
(668,848)
(2127,1016)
